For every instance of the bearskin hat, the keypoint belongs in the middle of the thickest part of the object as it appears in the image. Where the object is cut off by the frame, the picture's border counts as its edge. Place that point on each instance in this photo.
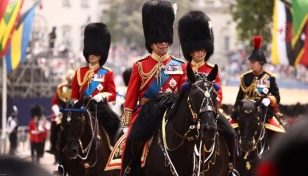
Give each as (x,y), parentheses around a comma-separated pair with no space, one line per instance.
(257,53)
(126,75)
(195,32)
(36,110)
(157,20)
(96,41)
(288,152)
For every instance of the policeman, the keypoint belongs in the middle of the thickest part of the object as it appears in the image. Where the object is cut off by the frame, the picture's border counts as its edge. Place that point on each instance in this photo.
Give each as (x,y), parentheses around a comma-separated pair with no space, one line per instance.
(12,130)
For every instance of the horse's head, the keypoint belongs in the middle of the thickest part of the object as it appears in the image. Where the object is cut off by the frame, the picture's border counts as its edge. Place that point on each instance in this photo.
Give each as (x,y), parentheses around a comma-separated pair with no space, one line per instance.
(73,123)
(249,123)
(202,101)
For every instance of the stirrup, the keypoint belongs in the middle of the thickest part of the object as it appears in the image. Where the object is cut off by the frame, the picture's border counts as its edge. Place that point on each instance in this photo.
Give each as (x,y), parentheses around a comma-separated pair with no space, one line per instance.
(59,171)
(233,172)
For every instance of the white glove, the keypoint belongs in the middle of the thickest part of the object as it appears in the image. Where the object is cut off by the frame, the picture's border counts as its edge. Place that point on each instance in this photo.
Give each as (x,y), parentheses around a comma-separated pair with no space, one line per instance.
(266,101)
(56,110)
(98,98)
(125,130)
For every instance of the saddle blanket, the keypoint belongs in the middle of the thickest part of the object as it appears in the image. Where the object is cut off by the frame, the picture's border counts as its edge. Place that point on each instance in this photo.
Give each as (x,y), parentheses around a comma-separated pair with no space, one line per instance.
(114,160)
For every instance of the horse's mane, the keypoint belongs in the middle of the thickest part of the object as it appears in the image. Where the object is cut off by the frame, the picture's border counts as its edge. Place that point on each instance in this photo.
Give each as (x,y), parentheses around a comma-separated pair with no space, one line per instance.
(110,120)
(150,116)
(175,106)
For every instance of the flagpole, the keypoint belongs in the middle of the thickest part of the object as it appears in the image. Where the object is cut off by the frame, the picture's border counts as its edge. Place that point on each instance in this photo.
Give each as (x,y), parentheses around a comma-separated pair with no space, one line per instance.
(4,103)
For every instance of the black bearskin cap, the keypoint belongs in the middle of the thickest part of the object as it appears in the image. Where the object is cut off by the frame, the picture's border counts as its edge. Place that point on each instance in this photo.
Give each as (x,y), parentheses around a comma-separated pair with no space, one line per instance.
(257,53)
(126,75)
(36,110)
(195,32)
(96,41)
(157,19)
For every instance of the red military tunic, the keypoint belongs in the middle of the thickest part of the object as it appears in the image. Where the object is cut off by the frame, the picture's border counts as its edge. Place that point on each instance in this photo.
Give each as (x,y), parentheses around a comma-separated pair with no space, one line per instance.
(88,82)
(35,134)
(206,68)
(145,81)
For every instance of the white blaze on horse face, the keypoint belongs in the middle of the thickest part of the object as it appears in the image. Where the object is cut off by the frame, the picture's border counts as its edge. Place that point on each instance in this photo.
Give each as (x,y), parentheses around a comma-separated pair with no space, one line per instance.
(207,94)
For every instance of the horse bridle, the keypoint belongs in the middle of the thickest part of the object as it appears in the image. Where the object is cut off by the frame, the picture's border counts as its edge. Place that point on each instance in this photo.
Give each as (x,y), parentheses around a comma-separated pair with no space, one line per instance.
(93,129)
(210,106)
(261,135)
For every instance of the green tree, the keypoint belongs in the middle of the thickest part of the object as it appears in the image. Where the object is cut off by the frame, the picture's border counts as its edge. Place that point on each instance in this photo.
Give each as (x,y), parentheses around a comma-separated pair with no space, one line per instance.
(253,17)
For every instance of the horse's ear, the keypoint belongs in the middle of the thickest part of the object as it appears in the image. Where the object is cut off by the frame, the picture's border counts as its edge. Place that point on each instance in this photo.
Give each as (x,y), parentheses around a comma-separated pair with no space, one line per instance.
(213,74)
(61,102)
(258,102)
(190,73)
(79,102)
(86,100)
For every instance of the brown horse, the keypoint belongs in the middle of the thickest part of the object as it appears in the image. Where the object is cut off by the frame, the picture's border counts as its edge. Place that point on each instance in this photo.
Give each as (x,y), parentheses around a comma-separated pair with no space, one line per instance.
(87,145)
(190,121)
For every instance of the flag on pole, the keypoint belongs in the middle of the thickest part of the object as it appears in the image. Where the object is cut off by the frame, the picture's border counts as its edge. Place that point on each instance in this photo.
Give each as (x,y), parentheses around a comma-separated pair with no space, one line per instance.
(8,23)
(300,31)
(17,49)
(3,5)
(282,35)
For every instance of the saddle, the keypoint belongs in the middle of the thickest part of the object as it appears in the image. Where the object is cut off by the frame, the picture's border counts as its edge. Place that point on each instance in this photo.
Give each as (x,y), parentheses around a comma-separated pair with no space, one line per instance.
(114,160)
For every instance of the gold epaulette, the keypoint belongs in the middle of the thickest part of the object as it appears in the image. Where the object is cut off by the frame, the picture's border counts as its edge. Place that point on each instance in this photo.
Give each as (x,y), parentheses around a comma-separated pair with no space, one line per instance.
(61,84)
(142,58)
(270,73)
(211,65)
(109,69)
(242,75)
(175,58)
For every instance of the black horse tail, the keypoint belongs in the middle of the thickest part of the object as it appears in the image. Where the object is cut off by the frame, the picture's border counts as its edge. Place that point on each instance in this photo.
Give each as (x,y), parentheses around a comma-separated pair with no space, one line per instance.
(150,116)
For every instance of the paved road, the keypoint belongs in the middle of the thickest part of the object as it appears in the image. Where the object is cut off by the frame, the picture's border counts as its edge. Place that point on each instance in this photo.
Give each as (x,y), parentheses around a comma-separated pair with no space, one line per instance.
(23,152)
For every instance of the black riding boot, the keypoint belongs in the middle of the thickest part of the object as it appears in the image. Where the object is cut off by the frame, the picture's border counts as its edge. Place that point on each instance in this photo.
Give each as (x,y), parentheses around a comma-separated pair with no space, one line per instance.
(231,160)
(227,131)
(60,169)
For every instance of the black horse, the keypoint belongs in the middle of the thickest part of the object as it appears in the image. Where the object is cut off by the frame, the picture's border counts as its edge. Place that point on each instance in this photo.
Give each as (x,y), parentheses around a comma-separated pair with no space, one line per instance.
(88,145)
(189,121)
(253,138)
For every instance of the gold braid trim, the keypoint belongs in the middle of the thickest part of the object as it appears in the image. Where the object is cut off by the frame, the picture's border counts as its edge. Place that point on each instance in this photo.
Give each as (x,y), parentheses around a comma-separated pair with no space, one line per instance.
(248,90)
(146,77)
(87,78)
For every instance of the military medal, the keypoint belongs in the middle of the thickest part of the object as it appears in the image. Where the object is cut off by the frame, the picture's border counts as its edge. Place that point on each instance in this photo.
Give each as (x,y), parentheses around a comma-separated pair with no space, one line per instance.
(100,87)
(99,77)
(172,83)
(173,69)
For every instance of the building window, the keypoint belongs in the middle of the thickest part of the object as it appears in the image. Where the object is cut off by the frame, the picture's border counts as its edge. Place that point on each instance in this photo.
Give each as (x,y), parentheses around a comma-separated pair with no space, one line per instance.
(226,43)
(66,3)
(66,38)
(84,3)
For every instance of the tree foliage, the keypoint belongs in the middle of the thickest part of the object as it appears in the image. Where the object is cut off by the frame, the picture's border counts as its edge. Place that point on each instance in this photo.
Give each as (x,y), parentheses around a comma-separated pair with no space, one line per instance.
(253,17)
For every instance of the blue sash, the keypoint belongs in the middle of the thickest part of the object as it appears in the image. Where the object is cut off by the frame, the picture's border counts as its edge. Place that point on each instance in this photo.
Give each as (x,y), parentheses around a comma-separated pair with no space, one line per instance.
(93,84)
(154,88)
